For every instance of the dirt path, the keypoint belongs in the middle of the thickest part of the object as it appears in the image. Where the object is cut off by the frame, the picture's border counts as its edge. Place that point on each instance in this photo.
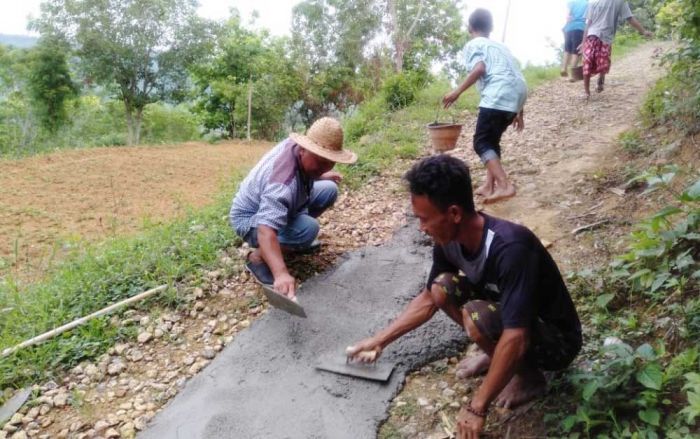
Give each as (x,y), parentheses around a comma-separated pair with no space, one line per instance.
(550,162)
(52,199)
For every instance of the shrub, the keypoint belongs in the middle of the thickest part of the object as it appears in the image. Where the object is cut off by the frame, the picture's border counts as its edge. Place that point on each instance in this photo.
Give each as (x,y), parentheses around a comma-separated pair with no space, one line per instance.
(166,123)
(400,90)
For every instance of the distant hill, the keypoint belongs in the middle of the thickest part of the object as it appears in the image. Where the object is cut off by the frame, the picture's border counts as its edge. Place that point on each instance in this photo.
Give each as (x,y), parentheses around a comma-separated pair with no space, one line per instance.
(20,41)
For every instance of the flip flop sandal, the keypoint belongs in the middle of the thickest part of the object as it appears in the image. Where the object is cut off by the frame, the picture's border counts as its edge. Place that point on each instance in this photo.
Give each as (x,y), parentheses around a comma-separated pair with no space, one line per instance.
(260,272)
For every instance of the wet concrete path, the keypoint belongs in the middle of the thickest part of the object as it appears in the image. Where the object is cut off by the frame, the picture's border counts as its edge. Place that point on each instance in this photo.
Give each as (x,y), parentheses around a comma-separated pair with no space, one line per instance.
(264,384)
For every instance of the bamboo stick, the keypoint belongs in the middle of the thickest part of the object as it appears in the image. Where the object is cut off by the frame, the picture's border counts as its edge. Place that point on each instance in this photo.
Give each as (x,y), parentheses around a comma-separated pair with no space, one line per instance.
(47,335)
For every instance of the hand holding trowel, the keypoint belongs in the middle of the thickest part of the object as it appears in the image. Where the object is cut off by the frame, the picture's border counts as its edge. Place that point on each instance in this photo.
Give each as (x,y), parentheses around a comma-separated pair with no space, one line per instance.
(360,361)
(283,302)
(363,353)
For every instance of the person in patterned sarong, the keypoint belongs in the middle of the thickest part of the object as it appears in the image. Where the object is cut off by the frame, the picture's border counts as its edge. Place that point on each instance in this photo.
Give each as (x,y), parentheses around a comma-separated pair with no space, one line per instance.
(601,24)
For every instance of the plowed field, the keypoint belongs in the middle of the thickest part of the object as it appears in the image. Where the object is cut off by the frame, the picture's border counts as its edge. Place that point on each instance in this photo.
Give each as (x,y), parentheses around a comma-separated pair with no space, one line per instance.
(50,201)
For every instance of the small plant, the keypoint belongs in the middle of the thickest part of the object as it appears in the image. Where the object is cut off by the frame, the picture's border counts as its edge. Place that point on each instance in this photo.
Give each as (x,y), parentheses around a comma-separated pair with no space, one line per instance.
(627,391)
(632,143)
(662,255)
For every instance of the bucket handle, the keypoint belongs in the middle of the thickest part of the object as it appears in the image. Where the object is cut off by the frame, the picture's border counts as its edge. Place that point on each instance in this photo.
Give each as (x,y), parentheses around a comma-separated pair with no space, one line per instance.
(437,113)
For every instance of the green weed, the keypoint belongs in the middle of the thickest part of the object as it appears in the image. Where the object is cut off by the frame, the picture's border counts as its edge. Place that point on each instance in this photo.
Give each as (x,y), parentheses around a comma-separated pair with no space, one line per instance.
(648,292)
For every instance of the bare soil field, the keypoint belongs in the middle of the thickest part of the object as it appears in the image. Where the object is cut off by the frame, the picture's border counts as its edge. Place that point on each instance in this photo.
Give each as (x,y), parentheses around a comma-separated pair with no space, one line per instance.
(50,201)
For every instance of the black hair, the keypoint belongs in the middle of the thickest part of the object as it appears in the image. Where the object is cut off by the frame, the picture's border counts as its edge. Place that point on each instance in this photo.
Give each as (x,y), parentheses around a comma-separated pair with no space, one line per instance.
(444,180)
(481,21)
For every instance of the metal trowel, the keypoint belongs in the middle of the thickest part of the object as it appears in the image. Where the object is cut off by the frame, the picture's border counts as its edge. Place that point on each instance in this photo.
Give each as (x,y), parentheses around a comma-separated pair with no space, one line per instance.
(343,365)
(283,302)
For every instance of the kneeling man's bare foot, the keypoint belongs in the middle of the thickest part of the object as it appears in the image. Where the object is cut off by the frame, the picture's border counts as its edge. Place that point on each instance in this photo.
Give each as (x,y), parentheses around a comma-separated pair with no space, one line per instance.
(525,386)
(500,193)
(473,366)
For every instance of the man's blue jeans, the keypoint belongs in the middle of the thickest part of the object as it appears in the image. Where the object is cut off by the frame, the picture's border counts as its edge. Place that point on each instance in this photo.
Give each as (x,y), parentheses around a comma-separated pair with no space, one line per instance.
(303,228)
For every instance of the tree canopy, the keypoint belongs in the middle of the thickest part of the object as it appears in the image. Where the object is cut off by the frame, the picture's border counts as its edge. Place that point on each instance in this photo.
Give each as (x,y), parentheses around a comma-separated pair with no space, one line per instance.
(139,49)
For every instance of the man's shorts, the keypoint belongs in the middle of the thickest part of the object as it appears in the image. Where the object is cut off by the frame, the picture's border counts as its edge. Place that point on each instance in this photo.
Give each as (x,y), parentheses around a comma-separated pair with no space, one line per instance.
(550,347)
(490,126)
(572,39)
(596,56)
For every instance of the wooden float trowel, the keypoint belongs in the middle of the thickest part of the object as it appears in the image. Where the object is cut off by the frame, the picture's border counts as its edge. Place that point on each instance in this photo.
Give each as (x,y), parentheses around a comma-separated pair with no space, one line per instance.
(283,302)
(344,365)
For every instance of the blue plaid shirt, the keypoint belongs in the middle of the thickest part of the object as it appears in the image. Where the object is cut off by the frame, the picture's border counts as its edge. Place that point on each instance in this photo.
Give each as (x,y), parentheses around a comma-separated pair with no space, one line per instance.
(273,193)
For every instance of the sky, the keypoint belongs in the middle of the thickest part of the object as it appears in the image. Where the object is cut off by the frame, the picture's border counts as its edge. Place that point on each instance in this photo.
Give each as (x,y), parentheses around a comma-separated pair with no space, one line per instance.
(533,26)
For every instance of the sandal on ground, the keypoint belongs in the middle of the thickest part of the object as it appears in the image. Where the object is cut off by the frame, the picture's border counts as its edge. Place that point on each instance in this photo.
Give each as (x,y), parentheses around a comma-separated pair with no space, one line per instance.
(260,272)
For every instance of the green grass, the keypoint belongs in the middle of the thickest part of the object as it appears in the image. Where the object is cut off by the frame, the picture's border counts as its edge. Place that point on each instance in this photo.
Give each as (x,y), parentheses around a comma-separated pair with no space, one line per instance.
(625,42)
(99,276)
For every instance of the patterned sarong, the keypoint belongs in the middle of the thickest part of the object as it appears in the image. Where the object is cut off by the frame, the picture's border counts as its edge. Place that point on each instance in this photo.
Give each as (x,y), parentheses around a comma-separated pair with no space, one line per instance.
(596,56)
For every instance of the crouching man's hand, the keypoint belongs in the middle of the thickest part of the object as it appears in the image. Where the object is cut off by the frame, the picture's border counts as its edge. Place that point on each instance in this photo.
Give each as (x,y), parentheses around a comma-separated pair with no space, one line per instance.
(366,351)
(285,284)
(333,176)
(469,425)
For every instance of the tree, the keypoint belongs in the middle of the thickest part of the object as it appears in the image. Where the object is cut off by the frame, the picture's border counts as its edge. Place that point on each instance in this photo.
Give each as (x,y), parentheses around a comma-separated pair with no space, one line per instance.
(140,49)
(424,31)
(330,40)
(17,128)
(50,84)
(243,60)
(341,45)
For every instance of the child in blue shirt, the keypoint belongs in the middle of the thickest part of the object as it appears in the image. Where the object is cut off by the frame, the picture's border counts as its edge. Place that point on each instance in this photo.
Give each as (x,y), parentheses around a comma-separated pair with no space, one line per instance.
(503,93)
(573,34)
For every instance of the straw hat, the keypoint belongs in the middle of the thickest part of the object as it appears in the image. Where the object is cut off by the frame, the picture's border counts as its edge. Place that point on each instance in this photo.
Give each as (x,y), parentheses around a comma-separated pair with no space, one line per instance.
(325,139)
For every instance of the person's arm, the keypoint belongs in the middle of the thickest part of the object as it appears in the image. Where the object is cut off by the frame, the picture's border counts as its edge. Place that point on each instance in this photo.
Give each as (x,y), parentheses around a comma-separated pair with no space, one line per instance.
(334,176)
(476,73)
(510,349)
(519,121)
(418,311)
(638,26)
(272,255)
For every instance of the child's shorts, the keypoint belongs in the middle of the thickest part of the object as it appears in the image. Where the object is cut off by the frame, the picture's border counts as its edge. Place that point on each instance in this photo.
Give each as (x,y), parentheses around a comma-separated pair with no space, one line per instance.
(490,126)
(572,39)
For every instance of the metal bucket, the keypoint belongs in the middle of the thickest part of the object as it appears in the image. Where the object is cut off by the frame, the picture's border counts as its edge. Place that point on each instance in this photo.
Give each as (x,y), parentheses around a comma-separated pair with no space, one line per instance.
(443,136)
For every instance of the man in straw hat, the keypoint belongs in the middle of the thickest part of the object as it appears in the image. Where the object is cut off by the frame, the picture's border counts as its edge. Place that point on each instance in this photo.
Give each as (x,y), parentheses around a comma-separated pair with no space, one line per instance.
(277,204)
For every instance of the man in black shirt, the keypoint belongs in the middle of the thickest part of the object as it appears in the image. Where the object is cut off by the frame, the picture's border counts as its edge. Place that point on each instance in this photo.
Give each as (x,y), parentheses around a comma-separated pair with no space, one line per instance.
(496,280)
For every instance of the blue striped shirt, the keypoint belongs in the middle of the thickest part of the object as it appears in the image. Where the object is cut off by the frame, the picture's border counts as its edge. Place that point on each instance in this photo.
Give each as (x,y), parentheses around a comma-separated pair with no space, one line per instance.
(273,192)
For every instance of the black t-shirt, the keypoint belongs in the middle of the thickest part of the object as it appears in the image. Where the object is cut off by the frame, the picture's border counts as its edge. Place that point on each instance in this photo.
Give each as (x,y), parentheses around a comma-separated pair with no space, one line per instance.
(511,267)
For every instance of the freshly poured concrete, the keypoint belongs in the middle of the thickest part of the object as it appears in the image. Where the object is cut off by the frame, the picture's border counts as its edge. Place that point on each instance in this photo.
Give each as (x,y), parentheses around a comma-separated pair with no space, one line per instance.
(264,384)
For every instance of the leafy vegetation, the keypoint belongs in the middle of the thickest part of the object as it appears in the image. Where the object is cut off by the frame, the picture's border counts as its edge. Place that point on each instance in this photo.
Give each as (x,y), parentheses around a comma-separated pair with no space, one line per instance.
(140,49)
(628,392)
(647,385)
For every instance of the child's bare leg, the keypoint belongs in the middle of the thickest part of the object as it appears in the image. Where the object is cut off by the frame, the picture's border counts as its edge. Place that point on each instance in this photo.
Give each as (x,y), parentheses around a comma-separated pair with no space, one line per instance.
(601,83)
(503,188)
(587,86)
(565,64)
(577,60)
(486,189)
